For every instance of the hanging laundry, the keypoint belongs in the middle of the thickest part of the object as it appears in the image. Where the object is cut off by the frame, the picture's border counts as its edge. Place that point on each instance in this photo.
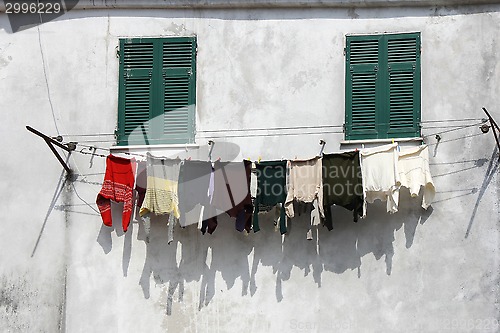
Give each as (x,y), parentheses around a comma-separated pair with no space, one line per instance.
(305,184)
(342,184)
(141,182)
(209,217)
(414,172)
(380,176)
(140,188)
(232,192)
(117,186)
(253,181)
(194,187)
(161,191)
(270,190)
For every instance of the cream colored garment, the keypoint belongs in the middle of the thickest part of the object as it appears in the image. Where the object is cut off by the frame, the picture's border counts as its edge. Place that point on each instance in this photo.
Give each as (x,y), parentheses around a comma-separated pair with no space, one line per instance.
(161,190)
(380,176)
(414,172)
(305,184)
(161,193)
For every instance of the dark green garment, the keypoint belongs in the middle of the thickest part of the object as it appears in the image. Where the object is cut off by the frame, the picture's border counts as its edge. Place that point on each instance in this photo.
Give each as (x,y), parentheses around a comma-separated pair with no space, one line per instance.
(342,184)
(271,190)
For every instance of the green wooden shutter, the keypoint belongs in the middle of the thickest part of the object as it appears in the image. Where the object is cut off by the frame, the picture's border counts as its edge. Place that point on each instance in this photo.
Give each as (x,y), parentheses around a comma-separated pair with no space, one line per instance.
(361,87)
(382,86)
(179,89)
(157,91)
(403,67)
(135,95)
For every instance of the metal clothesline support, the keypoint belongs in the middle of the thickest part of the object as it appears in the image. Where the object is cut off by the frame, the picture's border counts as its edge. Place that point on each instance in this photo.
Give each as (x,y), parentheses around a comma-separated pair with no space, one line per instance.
(494,129)
(211,143)
(322,143)
(51,143)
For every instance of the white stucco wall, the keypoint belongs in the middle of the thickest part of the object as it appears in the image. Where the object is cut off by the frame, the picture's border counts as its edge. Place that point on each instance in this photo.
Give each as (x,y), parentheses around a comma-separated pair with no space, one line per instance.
(414,271)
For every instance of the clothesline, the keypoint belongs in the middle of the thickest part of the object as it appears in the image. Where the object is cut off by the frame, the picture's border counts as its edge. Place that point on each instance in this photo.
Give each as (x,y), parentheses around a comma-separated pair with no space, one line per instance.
(220,136)
(297,127)
(145,156)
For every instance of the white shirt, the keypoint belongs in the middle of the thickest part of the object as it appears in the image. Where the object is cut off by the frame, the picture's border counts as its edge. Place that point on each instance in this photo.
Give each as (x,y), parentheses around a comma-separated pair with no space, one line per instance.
(380,176)
(414,172)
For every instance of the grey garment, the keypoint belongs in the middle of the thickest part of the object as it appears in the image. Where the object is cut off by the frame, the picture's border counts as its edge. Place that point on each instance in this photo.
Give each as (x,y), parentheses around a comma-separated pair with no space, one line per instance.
(194,184)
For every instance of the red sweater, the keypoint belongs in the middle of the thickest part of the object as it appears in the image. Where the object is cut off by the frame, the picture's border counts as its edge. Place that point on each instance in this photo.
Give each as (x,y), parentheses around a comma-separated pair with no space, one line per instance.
(118,186)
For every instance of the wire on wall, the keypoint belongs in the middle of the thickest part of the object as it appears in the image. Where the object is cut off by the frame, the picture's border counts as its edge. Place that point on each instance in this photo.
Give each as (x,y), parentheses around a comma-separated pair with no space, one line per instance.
(334,129)
(92,150)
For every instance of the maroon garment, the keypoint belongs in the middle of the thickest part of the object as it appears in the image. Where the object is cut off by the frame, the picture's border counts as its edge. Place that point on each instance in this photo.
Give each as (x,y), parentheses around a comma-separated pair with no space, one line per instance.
(141,182)
(118,186)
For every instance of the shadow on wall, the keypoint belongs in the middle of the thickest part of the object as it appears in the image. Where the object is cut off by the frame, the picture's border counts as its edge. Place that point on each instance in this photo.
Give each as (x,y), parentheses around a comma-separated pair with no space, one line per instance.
(247,14)
(227,251)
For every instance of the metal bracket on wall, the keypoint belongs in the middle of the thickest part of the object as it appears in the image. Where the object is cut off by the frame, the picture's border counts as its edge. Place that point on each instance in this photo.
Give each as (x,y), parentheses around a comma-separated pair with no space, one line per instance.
(211,143)
(51,142)
(322,143)
(494,129)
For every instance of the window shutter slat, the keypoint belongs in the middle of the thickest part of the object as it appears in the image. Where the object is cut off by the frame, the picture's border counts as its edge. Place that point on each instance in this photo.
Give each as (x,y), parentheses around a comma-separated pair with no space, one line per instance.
(363,52)
(137,105)
(178,81)
(137,68)
(401,100)
(402,57)
(363,100)
(137,56)
(361,90)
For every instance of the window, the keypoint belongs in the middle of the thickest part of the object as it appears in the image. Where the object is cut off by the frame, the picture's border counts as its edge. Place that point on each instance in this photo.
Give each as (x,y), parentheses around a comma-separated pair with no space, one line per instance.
(382,86)
(157,91)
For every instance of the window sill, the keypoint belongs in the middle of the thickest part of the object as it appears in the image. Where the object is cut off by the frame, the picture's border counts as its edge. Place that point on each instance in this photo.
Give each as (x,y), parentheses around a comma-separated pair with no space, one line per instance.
(376,141)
